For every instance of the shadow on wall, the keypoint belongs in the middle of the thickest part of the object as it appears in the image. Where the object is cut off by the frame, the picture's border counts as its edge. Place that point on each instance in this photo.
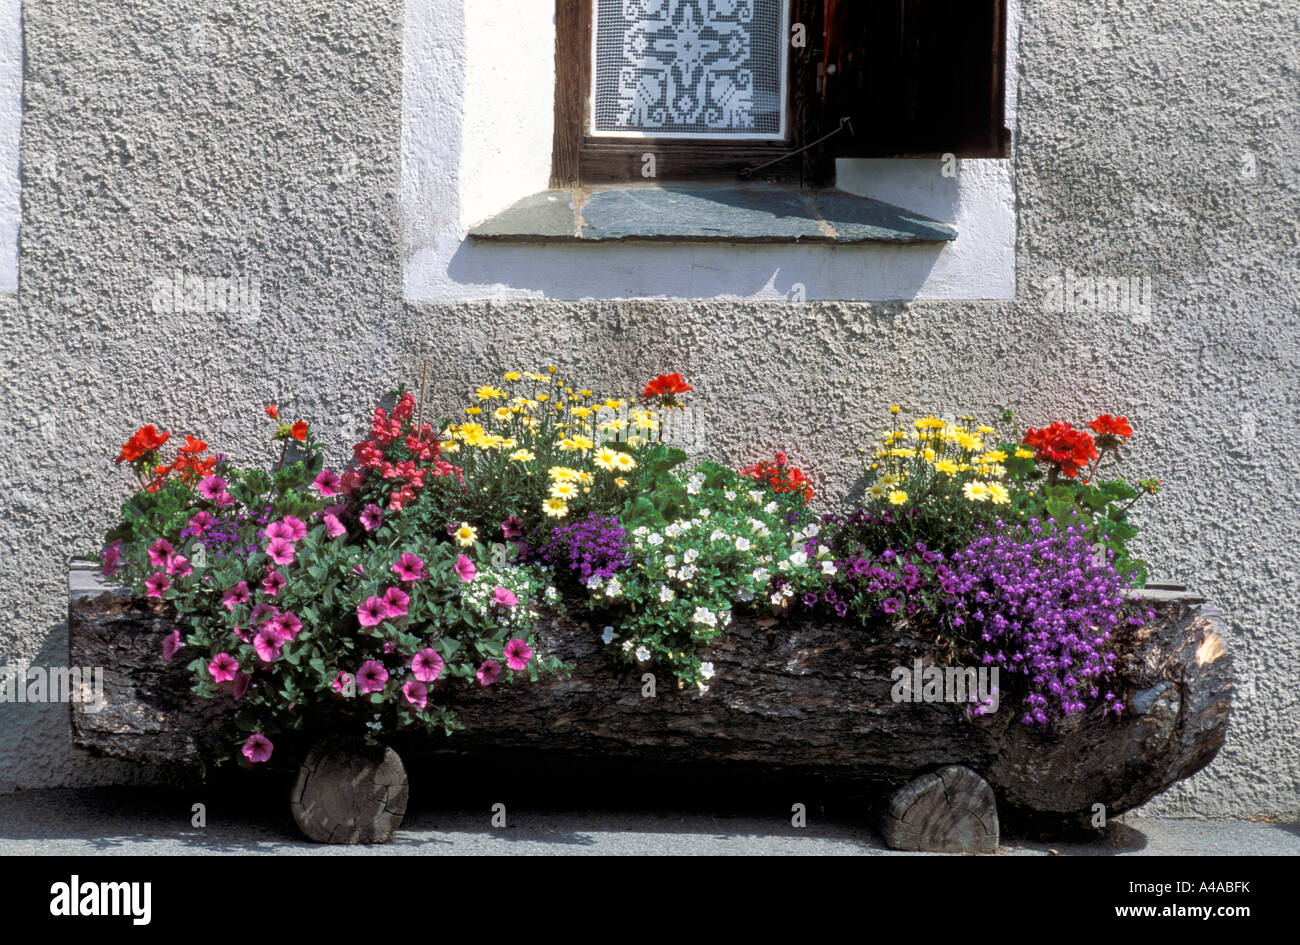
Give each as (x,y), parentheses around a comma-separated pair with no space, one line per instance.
(36,737)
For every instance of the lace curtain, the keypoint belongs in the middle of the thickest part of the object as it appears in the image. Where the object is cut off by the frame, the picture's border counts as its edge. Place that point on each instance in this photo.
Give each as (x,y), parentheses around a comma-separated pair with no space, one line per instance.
(690,68)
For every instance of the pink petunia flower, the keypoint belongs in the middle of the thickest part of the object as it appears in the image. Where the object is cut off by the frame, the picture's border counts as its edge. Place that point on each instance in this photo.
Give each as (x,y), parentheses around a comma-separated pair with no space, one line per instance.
(236,595)
(288,625)
(372,676)
(417,693)
(342,680)
(159,552)
(409,567)
(171,643)
(268,645)
(328,484)
(371,517)
(157,584)
(262,613)
(258,748)
(278,530)
(465,568)
(201,521)
(333,527)
(112,560)
(297,528)
(223,667)
(504,597)
(518,653)
(372,611)
(240,685)
(212,488)
(487,673)
(280,551)
(512,528)
(397,601)
(179,566)
(427,664)
(273,583)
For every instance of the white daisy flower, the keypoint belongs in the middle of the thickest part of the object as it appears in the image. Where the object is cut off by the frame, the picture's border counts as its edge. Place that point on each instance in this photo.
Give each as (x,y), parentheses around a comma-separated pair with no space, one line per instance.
(742,543)
(690,555)
(666,594)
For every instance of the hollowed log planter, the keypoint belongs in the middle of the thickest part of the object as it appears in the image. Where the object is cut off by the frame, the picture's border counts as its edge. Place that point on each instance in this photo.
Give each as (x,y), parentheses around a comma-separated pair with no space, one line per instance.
(801,695)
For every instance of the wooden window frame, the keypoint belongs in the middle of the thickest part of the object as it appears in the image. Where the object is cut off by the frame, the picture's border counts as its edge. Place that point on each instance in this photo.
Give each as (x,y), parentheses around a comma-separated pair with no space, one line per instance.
(813,89)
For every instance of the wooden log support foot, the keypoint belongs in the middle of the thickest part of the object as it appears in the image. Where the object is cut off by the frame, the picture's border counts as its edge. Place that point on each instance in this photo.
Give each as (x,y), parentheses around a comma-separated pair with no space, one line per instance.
(951,810)
(350,792)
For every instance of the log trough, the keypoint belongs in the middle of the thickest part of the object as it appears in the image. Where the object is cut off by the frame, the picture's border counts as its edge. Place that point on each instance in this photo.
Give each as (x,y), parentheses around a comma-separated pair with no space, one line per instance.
(802,695)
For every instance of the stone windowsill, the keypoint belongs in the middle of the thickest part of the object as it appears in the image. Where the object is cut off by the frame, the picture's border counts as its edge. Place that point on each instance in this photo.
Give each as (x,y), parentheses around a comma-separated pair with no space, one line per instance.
(707,213)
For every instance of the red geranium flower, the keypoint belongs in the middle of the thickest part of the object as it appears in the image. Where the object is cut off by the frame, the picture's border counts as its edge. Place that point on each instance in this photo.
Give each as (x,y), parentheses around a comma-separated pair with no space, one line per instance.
(272,412)
(299,430)
(145,441)
(1107,425)
(1069,449)
(665,388)
(781,478)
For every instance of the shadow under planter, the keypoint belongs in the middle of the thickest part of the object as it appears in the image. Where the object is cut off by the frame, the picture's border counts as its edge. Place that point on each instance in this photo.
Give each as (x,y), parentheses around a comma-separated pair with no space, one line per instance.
(804,696)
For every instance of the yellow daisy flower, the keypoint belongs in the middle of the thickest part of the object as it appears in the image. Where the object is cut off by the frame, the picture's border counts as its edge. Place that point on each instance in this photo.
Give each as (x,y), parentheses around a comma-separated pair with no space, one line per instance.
(976,491)
(563,490)
(897,497)
(624,462)
(620,482)
(503,413)
(605,458)
(999,494)
(523,456)
(513,375)
(488,392)
(1022,453)
(878,492)
(465,535)
(555,508)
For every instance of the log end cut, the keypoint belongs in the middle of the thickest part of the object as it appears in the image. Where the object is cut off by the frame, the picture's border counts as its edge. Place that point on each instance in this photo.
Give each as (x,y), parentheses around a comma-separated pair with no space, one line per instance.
(951,810)
(350,792)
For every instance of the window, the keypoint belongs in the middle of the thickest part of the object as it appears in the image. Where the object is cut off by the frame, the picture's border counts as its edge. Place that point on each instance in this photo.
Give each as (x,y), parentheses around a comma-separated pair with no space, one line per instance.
(772,90)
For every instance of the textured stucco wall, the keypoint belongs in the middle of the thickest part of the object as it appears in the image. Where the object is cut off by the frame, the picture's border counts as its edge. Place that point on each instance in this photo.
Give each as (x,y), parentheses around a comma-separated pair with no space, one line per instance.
(1155,138)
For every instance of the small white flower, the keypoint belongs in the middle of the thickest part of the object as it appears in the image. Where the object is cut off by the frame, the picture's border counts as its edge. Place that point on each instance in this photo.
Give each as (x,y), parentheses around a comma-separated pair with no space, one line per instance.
(783,565)
(762,575)
(655,539)
(706,670)
(694,484)
(726,618)
(777,600)
(670,561)
(828,567)
(771,508)
(742,544)
(705,616)
(641,532)
(718,535)
(744,595)
(642,654)
(686,573)
(627,646)
(690,555)
(594,582)
(811,531)
(799,559)
(755,495)
(608,635)
(731,496)
(705,513)
(666,594)
(614,588)
(673,530)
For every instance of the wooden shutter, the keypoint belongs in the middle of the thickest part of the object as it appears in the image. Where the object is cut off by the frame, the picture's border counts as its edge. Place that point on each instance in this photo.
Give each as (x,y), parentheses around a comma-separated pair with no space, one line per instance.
(918,78)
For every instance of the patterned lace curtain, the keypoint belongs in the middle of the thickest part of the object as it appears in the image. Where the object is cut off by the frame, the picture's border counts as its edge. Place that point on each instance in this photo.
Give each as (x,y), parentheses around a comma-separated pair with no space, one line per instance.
(690,68)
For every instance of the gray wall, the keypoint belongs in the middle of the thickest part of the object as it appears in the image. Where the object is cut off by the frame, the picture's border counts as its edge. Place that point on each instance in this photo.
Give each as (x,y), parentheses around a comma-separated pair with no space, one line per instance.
(1135,150)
